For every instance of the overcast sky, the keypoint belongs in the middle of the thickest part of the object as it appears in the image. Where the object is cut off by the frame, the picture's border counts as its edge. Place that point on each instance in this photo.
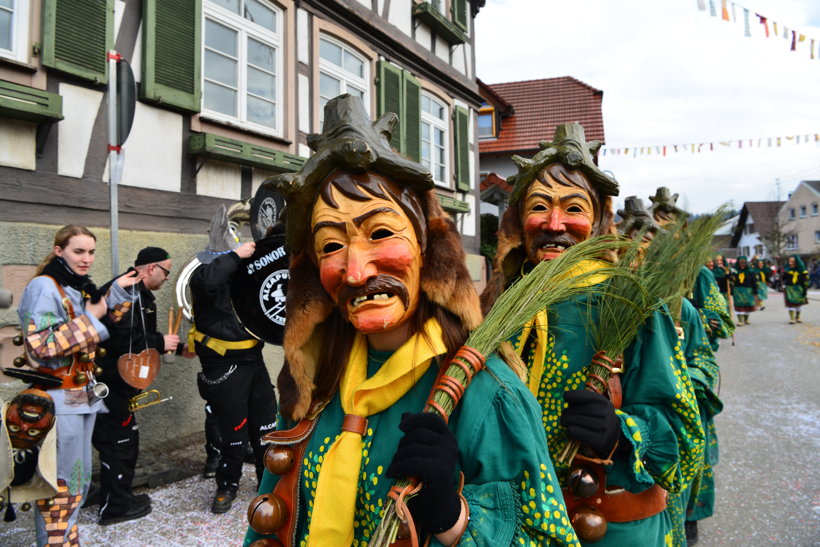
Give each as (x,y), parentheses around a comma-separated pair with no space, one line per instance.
(671,74)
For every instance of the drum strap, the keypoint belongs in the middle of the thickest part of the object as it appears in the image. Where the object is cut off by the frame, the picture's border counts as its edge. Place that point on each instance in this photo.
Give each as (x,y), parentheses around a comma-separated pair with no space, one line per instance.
(215,344)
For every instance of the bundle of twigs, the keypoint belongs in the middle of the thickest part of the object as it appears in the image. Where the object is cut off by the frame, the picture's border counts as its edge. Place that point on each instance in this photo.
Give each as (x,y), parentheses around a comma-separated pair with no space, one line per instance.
(573,272)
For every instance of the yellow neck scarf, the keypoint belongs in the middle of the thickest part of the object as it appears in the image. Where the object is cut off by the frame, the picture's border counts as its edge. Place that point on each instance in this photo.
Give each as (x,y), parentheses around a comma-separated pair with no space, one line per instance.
(795,276)
(335,501)
(541,324)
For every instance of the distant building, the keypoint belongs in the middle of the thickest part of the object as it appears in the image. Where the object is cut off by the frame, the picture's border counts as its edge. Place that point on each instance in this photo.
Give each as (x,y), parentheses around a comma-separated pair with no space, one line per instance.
(757,232)
(800,217)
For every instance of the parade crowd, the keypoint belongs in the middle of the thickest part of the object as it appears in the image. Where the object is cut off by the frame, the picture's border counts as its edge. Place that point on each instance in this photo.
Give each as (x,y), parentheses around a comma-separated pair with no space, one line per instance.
(591,422)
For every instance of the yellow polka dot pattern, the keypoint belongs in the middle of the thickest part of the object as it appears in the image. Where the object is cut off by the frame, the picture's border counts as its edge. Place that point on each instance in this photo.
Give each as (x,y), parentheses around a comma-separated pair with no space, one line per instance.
(542,510)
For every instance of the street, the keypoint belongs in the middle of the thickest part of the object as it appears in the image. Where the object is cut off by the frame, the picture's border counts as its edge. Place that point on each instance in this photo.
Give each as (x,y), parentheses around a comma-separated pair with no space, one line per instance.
(767,478)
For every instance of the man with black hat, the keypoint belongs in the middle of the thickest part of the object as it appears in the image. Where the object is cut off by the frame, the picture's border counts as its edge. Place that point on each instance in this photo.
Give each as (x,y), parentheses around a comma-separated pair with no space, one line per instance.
(116,434)
(234,381)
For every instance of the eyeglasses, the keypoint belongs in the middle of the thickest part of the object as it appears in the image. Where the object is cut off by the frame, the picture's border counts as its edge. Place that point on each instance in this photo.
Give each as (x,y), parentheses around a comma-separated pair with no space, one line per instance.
(167,272)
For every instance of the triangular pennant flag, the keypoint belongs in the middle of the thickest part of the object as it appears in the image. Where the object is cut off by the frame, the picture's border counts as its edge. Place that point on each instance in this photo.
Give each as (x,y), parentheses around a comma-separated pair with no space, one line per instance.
(794,41)
(764,22)
(724,11)
(712,11)
(747,30)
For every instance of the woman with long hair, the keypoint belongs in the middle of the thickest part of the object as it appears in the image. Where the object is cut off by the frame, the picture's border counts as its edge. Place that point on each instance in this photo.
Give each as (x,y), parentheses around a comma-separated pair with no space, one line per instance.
(63,317)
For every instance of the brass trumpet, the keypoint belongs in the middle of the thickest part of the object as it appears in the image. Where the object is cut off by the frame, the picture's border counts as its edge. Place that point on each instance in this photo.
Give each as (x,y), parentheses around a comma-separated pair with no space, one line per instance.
(145,399)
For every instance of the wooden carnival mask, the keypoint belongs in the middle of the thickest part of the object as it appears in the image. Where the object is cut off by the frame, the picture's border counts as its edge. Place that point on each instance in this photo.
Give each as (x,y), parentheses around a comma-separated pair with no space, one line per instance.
(29,418)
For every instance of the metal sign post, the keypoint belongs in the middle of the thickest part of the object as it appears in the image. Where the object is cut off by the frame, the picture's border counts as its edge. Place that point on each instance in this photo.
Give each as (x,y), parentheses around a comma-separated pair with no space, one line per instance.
(113,153)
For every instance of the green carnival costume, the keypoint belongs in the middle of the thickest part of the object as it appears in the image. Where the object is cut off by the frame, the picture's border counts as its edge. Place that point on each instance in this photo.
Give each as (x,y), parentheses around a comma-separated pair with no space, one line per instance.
(713,309)
(744,285)
(763,280)
(659,414)
(503,458)
(722,275)
(795,287)
(697,502)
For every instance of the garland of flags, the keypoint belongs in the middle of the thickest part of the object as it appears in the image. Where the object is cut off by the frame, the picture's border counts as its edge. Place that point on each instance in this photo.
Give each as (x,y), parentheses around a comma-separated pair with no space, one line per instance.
(697,148)
(729,11)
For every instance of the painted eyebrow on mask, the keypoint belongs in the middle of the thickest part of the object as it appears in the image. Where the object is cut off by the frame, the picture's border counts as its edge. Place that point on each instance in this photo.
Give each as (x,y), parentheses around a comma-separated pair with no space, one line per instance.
(548,197)
(361,218)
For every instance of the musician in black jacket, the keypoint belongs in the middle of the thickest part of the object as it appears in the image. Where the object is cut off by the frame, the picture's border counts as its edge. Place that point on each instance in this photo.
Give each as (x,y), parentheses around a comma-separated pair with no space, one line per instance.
(234,381)
(116,433)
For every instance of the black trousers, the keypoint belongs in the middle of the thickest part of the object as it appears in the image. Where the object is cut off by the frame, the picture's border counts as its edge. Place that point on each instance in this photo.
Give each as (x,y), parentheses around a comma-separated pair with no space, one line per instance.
(242,399)
(116,437)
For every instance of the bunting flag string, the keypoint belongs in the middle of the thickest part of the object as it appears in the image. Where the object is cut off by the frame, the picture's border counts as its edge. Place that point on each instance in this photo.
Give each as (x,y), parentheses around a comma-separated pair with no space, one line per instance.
(666,150)
(769,27)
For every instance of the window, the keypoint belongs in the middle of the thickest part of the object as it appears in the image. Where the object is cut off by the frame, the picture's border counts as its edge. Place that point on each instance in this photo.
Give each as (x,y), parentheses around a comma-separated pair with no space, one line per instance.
(817,236)
(341,70)
(486,122)
(745,251)
(241,63)
(758,250)
(435,120)
(803,211)
(814,211)
(791,213)
(791,241)
(14,29)
(750,228)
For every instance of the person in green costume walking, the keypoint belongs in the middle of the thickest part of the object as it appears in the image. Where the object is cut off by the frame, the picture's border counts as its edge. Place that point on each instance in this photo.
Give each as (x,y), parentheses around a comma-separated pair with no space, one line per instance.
(379,299)
(744,287)
(795,287)
(763,274)
(653,442)
(721,272)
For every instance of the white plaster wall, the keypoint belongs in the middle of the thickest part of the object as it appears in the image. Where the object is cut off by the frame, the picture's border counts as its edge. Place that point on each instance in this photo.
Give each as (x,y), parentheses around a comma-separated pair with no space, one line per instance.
(18,144)
(401,15)
(424,37)
(468,220)
(303,89)
(302,37)
(258,177)
(458,59)
(153,151)
(80,106)
(305,151)
(442,49)
(220,180)
(119,11)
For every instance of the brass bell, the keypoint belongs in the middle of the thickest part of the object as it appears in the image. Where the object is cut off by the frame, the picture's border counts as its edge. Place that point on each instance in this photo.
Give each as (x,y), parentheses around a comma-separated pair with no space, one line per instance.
(267,513)
(20,361)
(17,340)
(26,506)
(80,378)
(589,523)
(279,459)
(101,351)
(267,542)
(84,358)
(98,370)
(582,482)
(404,530)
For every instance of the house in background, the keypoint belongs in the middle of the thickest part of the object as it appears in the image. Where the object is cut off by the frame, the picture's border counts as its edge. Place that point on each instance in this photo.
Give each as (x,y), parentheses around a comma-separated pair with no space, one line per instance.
(800,217)
(228,92)
(757,232)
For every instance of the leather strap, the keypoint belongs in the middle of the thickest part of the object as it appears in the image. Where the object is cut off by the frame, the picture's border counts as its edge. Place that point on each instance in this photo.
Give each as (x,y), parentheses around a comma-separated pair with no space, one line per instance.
(354,424)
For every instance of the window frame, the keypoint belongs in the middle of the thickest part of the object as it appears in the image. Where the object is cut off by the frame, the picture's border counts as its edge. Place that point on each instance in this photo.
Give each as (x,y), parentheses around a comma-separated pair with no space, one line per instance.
(792,242)
(340,74)
(804,211)
(486,110)
(434,122)
(814,209)
(20,13)
(792,213)
(247,29)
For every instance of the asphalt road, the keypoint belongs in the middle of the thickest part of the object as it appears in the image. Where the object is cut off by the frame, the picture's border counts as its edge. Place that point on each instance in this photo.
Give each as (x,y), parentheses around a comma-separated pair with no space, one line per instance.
(767,479)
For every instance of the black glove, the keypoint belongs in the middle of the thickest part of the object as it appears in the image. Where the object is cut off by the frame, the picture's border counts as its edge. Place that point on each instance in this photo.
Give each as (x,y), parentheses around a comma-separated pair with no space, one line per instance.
(429,452)
(591,419)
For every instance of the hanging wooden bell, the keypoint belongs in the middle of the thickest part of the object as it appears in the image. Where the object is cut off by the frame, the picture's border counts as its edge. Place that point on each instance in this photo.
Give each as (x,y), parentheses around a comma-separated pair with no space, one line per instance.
(20,361)
(17,340)
(101,351)
(589,523)
(582,481)
(267,513)
(278,459)
(80,378)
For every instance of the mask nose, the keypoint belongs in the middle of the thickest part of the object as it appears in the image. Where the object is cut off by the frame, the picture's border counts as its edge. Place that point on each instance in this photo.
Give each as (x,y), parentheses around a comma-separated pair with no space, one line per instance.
(360,267)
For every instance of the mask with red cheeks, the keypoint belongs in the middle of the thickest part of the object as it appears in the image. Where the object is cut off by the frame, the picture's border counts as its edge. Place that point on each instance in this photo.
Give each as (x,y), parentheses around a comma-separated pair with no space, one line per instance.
(554,217)
(29,418)
(369,260)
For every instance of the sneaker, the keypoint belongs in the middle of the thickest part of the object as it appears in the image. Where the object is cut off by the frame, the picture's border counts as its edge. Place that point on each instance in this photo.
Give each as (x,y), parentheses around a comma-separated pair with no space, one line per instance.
(691,529)
(209,470)
(222,501)
(136,511)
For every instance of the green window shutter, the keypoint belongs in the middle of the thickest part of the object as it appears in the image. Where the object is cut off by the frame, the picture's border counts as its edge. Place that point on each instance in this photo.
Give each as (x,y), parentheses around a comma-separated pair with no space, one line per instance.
(459,8)
(77,35)
(462,141)
(390,98)
(171,44)
(411,117)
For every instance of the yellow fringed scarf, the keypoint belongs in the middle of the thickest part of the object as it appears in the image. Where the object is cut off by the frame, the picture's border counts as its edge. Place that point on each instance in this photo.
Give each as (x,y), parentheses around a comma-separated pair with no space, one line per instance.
(334,504)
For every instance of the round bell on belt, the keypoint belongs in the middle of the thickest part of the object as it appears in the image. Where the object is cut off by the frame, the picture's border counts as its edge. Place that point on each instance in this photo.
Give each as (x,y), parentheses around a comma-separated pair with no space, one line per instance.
(17,340)
(80,378)
(267,513)
(98,370)
(20,361)
(404,530)
(278,459)
(589,523)
(85,358)
(26,506)
(267,542)
(582,482)
(101,351)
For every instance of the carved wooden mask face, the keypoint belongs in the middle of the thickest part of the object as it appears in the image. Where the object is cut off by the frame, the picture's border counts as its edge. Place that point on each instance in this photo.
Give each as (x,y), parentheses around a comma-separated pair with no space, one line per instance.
(369,260)
(29,418)
(555,217)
